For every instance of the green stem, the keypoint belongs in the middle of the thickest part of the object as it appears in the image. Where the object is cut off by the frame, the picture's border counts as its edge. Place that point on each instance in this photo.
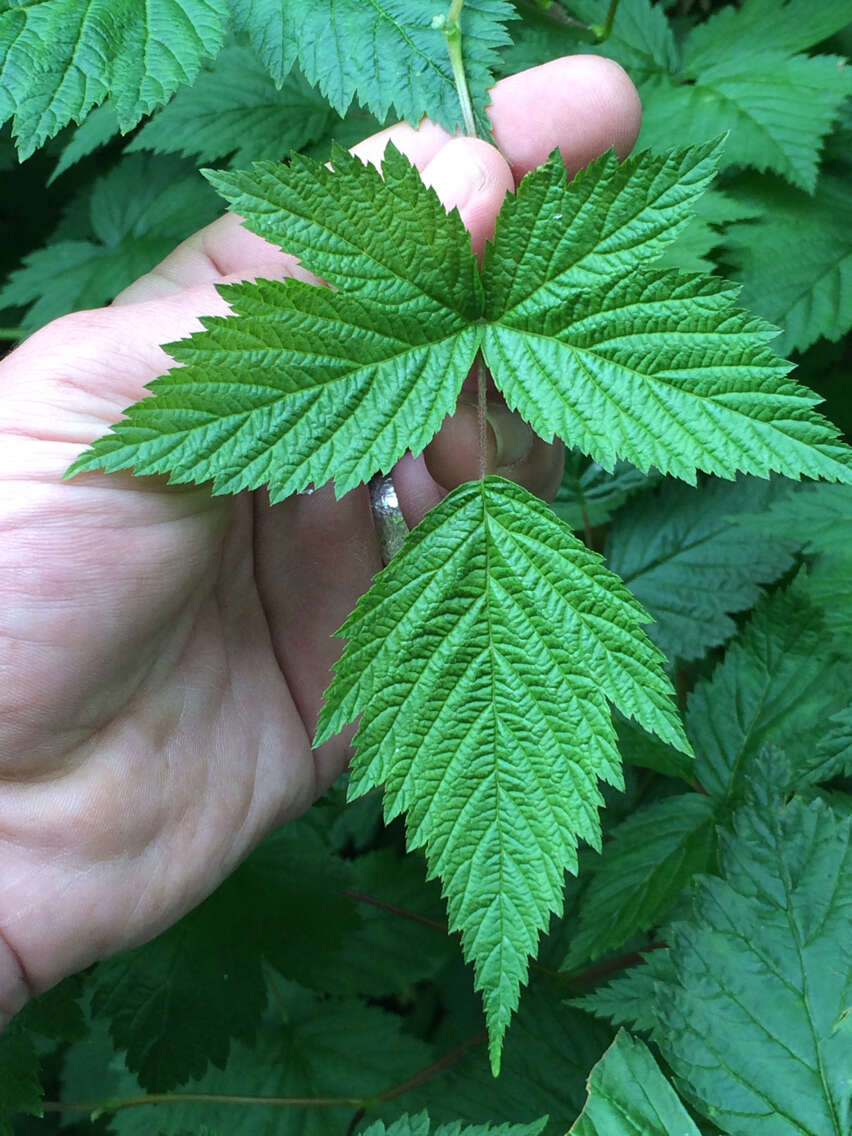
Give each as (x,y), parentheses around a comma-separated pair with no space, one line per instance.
(12,333)
(603,32)
(450,25)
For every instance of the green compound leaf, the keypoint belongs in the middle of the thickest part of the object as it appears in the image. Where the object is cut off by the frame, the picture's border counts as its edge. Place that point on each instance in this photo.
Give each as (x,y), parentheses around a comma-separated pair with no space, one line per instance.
(128,220)
(310,384)
(546,1059)
(622,361)
(751,1013)
(178,1003)
(759,26)
(55,1015)
(777,685)
(817,516)
(482,663)
(385,52)
(629,1096)
(60,58)
(739,74)
(555,240)
(304,1049)
(588,495)
(749,1006)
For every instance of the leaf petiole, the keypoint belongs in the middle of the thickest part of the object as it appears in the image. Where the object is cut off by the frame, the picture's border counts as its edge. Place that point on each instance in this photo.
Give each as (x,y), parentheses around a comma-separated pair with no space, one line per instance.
(604,30)
(450,25)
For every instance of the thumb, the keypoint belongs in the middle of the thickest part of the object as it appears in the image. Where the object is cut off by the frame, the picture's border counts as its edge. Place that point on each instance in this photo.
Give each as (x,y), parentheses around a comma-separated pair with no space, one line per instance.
(474,177)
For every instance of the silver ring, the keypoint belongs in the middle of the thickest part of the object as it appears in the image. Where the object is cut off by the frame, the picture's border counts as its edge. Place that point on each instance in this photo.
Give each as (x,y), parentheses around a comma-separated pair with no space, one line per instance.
(391,528)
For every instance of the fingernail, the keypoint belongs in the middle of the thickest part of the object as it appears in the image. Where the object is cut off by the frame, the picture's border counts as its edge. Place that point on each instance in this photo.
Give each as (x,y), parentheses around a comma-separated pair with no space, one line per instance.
(514,437)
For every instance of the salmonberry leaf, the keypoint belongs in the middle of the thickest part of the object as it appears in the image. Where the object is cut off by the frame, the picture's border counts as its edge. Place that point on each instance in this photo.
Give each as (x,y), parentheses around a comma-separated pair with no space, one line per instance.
(495,759)
(751,1014)
(648,860)
(54,1016)
(819,517)
(128,220)
(20,1084)
(761,25)
(588,495)
(308,1054)
(645,365)
(95,131)
(632,1000)
(736,73)
(777,684)
(795,263)
(310,384)
(554,239)
(387,53)
(60,58)
(401,937)
(833,756)
(628,1095)
(757,99)
(235,108)
(643,749)
(685,559)
(547,1056)
(691,251)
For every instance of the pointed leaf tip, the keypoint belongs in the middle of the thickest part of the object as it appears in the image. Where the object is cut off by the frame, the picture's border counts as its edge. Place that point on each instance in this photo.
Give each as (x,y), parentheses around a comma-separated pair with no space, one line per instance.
(482,663)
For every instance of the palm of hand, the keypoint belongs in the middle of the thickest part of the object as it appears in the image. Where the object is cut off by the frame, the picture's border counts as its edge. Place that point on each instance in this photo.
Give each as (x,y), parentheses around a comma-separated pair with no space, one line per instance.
(148,731)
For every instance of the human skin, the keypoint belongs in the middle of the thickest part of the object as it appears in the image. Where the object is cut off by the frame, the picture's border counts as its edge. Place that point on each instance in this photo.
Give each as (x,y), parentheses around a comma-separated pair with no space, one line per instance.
(163,653)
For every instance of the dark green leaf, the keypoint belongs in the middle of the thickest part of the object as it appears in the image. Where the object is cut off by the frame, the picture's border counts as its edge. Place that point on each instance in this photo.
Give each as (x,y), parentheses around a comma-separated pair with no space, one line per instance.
(647,861)
(177,1003)
(629,1096)
(776,686)
(685,559)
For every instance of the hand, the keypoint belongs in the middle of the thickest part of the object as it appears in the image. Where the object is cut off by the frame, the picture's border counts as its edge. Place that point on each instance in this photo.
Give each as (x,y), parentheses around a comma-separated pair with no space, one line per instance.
(163,653)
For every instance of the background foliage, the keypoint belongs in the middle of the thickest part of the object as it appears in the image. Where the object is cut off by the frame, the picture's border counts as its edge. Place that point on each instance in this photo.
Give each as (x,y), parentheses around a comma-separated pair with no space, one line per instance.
(323,969)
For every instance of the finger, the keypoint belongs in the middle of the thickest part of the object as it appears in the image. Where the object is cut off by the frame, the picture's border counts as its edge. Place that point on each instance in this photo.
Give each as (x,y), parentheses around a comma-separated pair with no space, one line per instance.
(473,177)
(582,104)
